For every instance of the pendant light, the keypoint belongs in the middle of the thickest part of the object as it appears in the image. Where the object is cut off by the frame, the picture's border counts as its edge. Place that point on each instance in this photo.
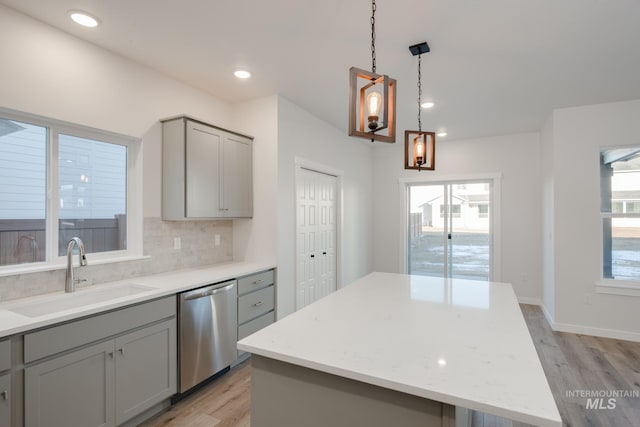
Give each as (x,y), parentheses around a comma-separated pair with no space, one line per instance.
(419,146)
(372,98)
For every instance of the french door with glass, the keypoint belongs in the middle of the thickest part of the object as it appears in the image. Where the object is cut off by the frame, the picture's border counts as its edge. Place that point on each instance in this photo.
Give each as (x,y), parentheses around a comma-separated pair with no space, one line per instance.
(450,232)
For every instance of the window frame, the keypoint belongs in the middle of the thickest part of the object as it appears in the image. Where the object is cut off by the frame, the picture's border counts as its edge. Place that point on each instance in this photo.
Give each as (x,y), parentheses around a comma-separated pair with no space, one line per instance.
(608,285)
(134,220)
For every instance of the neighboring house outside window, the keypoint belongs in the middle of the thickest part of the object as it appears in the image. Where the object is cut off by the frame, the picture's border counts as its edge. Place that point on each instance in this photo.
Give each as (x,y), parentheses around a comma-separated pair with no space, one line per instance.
(59,180)
(620,213)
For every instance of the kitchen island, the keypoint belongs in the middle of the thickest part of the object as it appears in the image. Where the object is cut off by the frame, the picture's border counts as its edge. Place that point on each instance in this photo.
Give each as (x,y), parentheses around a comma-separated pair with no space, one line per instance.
(392,349)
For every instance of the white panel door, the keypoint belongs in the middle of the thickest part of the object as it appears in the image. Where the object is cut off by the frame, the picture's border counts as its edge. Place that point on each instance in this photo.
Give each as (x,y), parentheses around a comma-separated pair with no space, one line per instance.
(315,236)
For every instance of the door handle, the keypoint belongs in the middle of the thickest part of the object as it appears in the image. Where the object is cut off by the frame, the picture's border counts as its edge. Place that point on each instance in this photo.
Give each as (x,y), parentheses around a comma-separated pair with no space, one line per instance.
(121,351)
(5,395)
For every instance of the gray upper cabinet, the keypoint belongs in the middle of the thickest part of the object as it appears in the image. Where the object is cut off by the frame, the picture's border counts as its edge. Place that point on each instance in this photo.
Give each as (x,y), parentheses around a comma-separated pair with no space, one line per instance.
(207,172)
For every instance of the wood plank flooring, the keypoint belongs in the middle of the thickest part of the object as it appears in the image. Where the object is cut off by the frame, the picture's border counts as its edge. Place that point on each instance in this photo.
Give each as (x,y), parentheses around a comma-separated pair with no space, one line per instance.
(571,362)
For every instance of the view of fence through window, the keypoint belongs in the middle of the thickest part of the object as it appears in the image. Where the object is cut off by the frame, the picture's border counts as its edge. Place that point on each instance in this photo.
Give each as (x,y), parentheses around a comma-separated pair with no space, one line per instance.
(620,212)
(91,193)
(449,230)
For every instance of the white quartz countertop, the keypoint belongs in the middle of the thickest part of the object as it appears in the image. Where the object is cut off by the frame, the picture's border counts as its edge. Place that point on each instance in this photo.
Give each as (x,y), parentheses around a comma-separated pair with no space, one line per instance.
(456,341)
(155,286)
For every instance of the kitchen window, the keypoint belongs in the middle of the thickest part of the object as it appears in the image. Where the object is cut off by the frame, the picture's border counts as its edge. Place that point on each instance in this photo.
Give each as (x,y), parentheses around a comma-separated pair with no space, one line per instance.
(59,180)
(620,216)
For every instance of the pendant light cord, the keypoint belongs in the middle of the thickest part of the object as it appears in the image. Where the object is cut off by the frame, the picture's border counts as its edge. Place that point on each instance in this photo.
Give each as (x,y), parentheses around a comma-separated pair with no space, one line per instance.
(373,36)
(419,93)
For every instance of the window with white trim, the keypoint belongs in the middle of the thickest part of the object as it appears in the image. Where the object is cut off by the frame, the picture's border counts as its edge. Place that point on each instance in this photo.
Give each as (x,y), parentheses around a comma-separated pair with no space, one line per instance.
(620,213)
(58,181)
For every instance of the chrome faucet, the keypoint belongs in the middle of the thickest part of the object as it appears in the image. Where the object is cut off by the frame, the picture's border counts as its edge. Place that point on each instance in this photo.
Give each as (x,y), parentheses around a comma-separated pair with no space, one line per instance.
(70,280)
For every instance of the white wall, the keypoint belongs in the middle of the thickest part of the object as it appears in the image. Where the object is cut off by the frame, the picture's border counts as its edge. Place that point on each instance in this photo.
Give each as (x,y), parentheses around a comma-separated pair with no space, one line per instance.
(255,239)
(516,157)
(302,135)
(547,209)
(578,135)
(51,73)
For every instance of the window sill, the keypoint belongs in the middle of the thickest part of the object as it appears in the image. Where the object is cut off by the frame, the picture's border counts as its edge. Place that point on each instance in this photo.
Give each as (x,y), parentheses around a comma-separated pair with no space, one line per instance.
(626,288)
(42,267)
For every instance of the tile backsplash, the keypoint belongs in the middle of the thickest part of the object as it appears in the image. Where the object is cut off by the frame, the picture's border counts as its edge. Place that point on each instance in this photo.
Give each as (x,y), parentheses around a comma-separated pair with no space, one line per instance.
(197,249)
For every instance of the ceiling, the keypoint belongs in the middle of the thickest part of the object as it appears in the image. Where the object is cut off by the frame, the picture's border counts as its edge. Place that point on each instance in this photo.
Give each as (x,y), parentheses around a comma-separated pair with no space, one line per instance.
(496,66)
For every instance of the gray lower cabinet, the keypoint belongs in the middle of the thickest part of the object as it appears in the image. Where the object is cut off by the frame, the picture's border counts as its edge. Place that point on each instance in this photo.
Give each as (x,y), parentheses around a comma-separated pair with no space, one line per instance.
(256,303)
(105,384)
(5,383)
(5,400)
(145,369)
(74,390)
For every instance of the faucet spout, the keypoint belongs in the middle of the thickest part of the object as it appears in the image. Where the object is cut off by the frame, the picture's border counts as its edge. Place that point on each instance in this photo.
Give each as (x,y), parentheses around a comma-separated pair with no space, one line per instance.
(70,280)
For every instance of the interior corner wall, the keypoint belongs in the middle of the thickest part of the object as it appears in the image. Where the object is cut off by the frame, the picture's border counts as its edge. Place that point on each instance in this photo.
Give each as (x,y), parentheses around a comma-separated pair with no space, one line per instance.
(516,157)
(255,239)
(547,167)
(50,73)
(579,134)
(303,135)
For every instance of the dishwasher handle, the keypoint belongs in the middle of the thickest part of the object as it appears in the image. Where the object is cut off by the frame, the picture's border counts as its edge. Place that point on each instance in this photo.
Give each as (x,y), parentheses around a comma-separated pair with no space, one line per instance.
(209,292)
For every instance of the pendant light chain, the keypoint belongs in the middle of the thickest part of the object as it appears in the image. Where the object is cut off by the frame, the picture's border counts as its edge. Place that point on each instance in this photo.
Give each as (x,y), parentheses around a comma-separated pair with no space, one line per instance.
(373,36)
(419,93)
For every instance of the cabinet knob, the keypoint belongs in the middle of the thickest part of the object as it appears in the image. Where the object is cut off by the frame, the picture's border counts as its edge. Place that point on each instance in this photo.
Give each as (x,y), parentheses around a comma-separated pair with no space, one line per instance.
(324,253)
(313,256)
(5,395)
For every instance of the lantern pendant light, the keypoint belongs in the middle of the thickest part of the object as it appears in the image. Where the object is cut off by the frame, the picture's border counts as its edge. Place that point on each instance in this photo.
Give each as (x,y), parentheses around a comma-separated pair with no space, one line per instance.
(419,146)
(372,99)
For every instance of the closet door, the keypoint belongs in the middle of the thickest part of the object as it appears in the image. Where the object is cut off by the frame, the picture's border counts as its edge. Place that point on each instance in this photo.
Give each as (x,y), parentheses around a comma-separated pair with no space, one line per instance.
(315,236)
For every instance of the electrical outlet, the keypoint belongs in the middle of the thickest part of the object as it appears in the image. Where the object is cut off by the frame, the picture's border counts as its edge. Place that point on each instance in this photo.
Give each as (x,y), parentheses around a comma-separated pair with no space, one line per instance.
(177,244)
(216,240)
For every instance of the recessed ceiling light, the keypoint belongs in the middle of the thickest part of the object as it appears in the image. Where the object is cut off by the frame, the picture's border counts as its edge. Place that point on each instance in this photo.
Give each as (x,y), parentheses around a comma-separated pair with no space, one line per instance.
(427,104)
(442,134)
(242,74)
(84,19)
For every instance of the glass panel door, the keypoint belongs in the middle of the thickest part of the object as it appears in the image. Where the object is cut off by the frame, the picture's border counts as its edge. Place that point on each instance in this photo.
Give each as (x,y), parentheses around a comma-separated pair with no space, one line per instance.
(450,230)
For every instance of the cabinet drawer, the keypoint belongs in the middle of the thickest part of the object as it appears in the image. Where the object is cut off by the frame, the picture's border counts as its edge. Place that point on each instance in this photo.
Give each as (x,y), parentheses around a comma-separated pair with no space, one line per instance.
(256,324)
(255,304)
(5,355)
(80,332)
(254,282)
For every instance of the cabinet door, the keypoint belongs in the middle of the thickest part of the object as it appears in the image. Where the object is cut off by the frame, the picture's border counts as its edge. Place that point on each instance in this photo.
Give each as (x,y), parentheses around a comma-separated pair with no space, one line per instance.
(203,163)
(145,369)
(74,390)
(5,400)
(237,181)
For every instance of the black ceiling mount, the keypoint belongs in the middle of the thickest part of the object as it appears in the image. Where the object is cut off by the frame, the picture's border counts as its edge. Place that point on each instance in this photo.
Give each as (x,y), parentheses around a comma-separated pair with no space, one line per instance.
(420,48)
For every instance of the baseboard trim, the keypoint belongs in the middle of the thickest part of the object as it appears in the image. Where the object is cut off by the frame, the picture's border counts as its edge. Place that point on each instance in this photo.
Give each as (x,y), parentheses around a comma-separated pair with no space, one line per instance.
(529,301)
(589,330)
(598,332)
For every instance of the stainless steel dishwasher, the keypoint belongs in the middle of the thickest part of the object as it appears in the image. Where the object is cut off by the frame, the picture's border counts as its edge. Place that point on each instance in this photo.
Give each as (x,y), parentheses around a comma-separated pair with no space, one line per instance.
(208,332)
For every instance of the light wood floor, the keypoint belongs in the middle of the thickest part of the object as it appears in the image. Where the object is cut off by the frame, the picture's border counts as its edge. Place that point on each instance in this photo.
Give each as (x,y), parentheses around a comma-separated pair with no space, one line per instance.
(571,362)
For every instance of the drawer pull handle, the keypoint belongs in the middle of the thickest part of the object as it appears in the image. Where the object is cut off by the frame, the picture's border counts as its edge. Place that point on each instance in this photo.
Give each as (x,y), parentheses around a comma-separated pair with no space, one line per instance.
(5,395)
(258,304)
(258,282)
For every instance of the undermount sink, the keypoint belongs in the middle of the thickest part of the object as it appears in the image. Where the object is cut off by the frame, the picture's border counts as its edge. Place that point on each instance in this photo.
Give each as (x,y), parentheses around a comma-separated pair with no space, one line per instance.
(54,304)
